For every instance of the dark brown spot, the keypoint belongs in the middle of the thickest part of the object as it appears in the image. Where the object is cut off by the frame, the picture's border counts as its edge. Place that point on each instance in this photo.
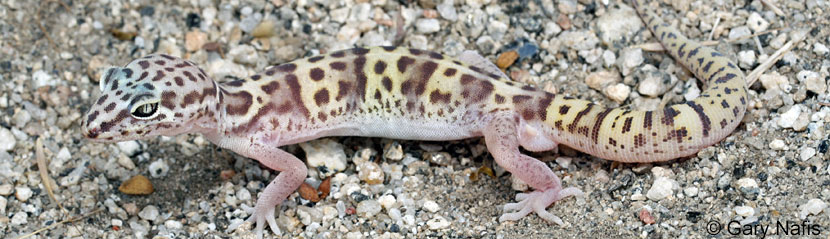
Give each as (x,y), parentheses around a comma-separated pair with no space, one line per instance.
(126,97)
(189,76)
(528,88)
(377,94)
(338,54)
(143,75)
(144,64)
(271,87)
(179,81)
(110,107)
(160,62)
(169,69)
(254,77)
(520,99)
(343,88)
(168,99)
(287,67)
(149,86)
(360,51)
(404,62)
(360,76)
(564,109)
(128,72)
(338,65)
(322,116)
(415,51)
(389,48)
(435,55)
(499,99)
(243,101)
(450,72)
(668,116)
(380,66)
(315,59)
(102,99)
(317,74)
(235,83)
(321,97)
(387,83)
(159,76)
(270,72)
(436,96)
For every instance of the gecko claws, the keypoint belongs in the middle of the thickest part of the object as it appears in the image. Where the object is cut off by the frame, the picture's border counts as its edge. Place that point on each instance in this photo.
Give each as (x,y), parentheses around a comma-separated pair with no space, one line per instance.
(537,201)
(259,218)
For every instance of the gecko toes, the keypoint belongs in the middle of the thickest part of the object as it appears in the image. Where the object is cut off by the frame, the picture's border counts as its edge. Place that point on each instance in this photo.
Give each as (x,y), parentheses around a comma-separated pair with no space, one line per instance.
(537,201)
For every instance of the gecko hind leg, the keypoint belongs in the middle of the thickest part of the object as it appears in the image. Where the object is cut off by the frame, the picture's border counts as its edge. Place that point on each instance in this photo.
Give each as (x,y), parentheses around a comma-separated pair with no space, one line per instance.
(501,136)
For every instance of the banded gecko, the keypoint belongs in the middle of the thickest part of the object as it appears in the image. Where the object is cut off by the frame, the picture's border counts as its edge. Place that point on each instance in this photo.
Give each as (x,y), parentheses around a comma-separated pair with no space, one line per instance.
(401,93)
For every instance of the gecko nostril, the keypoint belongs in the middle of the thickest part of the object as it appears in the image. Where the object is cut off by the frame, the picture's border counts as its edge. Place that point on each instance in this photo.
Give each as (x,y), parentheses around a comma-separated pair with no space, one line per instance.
(91,133)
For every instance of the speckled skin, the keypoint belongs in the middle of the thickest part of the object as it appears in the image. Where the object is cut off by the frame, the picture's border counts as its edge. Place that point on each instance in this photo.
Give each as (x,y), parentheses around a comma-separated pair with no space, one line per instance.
(411,94)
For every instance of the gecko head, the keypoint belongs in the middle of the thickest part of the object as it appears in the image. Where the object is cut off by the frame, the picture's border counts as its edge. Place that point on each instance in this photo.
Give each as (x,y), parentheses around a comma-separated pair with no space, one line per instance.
(153,95)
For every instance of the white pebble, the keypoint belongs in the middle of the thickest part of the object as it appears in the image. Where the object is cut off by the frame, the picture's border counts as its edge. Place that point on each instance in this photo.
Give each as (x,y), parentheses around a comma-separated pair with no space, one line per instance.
(173,224)
(739,33)
(813,81)
(243,194)
(813,206)
(820,49)
(431,206)
(788,118)
(427,25)
(3,202)
(661,188)
(23,193)
(159,168)
(691,191)
(744,211)
(41,78)
(629,59)
(447,10)
(7,140)
(778,145)
(149,213)
(19,218)
(807,153)
(387,201)
(6,189)
(394,214)
(747,183)
(437,223)
(757,23)
(129,147)
(325,153)
(746,59)
(368,208)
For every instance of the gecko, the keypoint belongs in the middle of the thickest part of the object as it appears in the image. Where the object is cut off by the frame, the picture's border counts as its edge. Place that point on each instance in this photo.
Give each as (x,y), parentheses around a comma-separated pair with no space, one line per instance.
(412,94)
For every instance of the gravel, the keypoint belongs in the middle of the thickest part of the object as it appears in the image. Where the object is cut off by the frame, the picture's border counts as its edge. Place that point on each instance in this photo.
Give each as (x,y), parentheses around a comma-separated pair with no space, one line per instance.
(773,168)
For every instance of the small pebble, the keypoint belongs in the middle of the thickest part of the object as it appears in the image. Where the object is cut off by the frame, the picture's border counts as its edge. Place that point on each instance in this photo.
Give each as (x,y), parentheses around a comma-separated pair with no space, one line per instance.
(618,92)
(325,153)
(807,153)
(19,218)
(427,25)
(23,193)
(820,49)
(264,29)
(7,140)
(173,224)
(137,185)
(431,206)
(158,168)
(437,223)
(630,59)
(447,10)
(778,145)
(813,81)
(149,213)
(6,189)
(788,118)
(393,151)
(744,211)
(602,79)
(370,173)
(387,201)
(194,40)
(3,203)
(746,59)
(757,23)
(129,148)
(812,207)
(368,208)
(646,217)
(662,188)
(774,82)
(691,191)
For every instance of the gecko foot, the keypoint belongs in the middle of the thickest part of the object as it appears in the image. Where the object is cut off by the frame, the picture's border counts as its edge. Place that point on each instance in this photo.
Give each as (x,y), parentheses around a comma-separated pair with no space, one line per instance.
(537,201)
(259,216)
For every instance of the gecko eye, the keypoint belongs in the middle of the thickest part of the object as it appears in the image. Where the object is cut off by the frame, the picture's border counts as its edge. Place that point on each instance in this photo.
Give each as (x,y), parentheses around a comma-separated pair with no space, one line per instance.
(145,111)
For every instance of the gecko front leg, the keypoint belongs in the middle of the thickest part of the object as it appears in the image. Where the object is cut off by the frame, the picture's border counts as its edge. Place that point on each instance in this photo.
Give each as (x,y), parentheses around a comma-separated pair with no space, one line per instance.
(292,172)
(501,134)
